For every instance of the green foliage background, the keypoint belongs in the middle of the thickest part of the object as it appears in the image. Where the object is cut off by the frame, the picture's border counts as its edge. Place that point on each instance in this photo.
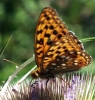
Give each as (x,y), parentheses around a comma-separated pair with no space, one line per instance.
(18,18)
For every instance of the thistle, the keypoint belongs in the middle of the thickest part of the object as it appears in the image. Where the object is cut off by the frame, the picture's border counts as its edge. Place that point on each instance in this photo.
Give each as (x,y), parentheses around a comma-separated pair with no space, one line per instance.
(80,87)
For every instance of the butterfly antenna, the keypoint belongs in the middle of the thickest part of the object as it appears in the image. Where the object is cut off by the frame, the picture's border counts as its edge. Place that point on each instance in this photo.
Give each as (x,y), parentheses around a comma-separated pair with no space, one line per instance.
(10,61)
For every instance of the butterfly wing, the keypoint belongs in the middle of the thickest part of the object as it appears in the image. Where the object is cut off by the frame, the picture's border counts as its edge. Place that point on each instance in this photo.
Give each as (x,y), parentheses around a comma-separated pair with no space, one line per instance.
(56,49)
(49,29)
(66,55)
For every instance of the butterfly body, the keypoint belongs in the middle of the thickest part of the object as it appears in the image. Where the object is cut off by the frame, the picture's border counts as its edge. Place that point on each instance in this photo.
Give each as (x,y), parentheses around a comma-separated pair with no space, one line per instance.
(57,50)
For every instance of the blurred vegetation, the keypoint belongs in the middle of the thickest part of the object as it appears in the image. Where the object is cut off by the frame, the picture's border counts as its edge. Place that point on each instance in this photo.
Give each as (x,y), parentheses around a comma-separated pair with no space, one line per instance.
(18,18)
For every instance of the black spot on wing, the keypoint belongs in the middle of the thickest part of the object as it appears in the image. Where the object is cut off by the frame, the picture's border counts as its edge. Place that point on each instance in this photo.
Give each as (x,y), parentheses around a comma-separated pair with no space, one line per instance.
(49,55)
(58,52)
(46,27)
(39,32)
(40,41)
(39,52)
(59,47)
(38,48)
(47,35)
(55,32)
(51,50)
(64,32)
(64,47)
(47,17)
(49,42)
(65,50)
(51,27)
(59,36)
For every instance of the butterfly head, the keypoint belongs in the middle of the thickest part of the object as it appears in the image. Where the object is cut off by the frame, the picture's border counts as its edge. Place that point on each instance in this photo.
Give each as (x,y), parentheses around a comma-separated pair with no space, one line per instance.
(38,74)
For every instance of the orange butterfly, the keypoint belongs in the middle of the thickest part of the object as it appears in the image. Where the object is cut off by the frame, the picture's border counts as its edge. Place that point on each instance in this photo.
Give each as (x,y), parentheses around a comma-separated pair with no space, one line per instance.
(57,50)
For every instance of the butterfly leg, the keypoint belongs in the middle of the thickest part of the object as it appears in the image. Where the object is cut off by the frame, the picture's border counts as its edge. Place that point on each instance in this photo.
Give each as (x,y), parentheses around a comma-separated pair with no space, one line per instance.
(64,80)
(47,82)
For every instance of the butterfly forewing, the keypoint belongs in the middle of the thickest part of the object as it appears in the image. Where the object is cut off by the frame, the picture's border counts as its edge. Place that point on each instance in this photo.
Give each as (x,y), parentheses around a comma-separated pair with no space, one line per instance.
(49,29)
(57,50)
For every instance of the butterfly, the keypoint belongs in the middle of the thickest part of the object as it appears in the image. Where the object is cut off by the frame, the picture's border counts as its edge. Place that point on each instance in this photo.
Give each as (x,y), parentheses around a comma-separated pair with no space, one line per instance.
(57,50)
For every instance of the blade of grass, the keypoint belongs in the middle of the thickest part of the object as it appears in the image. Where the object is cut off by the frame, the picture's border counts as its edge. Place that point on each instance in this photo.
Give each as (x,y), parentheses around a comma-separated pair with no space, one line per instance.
(88,39)
(2,51)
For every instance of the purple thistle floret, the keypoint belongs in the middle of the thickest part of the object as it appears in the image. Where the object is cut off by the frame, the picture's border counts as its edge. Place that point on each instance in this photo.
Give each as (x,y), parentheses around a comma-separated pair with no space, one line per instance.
(69,93)
(66,91)
(73,87)
(59,89)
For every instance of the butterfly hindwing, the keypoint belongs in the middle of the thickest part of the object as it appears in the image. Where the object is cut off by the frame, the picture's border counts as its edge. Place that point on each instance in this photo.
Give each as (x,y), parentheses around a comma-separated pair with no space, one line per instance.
(65,55)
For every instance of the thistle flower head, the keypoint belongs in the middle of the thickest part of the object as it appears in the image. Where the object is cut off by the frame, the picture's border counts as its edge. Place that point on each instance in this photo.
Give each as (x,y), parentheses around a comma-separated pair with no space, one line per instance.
(79,87)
